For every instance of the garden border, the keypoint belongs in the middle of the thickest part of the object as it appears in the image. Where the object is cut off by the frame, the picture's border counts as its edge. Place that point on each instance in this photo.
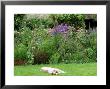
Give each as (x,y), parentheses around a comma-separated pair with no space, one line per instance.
(4,3)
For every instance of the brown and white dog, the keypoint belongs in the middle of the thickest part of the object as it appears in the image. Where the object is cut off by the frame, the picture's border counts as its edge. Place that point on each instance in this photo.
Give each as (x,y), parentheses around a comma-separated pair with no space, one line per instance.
(53,71)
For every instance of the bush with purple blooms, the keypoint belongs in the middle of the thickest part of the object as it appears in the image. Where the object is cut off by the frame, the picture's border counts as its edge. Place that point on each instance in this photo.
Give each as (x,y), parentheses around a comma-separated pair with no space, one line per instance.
(61,28)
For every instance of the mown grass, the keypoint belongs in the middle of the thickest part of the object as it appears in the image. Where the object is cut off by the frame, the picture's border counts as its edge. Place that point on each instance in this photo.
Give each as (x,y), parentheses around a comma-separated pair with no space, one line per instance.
(87,69)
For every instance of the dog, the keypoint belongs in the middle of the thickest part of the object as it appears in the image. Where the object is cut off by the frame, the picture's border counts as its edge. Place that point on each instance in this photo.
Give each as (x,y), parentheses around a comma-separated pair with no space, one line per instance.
(53,71)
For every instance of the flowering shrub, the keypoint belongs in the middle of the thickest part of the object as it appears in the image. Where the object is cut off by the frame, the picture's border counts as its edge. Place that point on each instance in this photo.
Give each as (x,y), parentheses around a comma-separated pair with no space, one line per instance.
(40,41)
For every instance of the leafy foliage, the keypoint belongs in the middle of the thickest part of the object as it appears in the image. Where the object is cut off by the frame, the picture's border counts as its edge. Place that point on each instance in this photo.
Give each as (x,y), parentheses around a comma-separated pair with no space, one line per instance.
(71,19)
(18,20)
(55,58)
(54,40)
(20,52)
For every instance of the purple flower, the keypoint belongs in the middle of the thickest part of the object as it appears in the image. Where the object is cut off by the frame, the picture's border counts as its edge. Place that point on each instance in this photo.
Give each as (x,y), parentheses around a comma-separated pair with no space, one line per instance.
(62,28)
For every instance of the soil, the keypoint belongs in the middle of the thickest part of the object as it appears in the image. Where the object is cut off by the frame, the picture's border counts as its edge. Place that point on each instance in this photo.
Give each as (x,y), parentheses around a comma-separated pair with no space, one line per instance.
(19,62)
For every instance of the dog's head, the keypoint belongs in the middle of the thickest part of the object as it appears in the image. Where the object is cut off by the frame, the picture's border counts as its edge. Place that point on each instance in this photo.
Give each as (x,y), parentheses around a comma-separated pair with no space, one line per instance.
(55,72)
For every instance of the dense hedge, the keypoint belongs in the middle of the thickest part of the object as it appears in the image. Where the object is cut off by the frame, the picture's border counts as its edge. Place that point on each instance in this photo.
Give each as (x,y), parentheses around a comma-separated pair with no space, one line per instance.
(54,40)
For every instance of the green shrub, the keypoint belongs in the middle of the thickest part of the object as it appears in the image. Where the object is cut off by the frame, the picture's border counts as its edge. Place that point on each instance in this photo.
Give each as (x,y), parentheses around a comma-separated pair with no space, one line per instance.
(79,57)
(55,58)
(89,40)
(18,21)
(41,23)
(91,54)
(49,44)
(26,36)
(30,57)
(20,52)
(71,19)
(23,36)
(32,23)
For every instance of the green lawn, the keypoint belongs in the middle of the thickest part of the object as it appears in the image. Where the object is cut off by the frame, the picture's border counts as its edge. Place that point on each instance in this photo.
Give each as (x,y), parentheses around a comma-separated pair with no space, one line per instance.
(87,69)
